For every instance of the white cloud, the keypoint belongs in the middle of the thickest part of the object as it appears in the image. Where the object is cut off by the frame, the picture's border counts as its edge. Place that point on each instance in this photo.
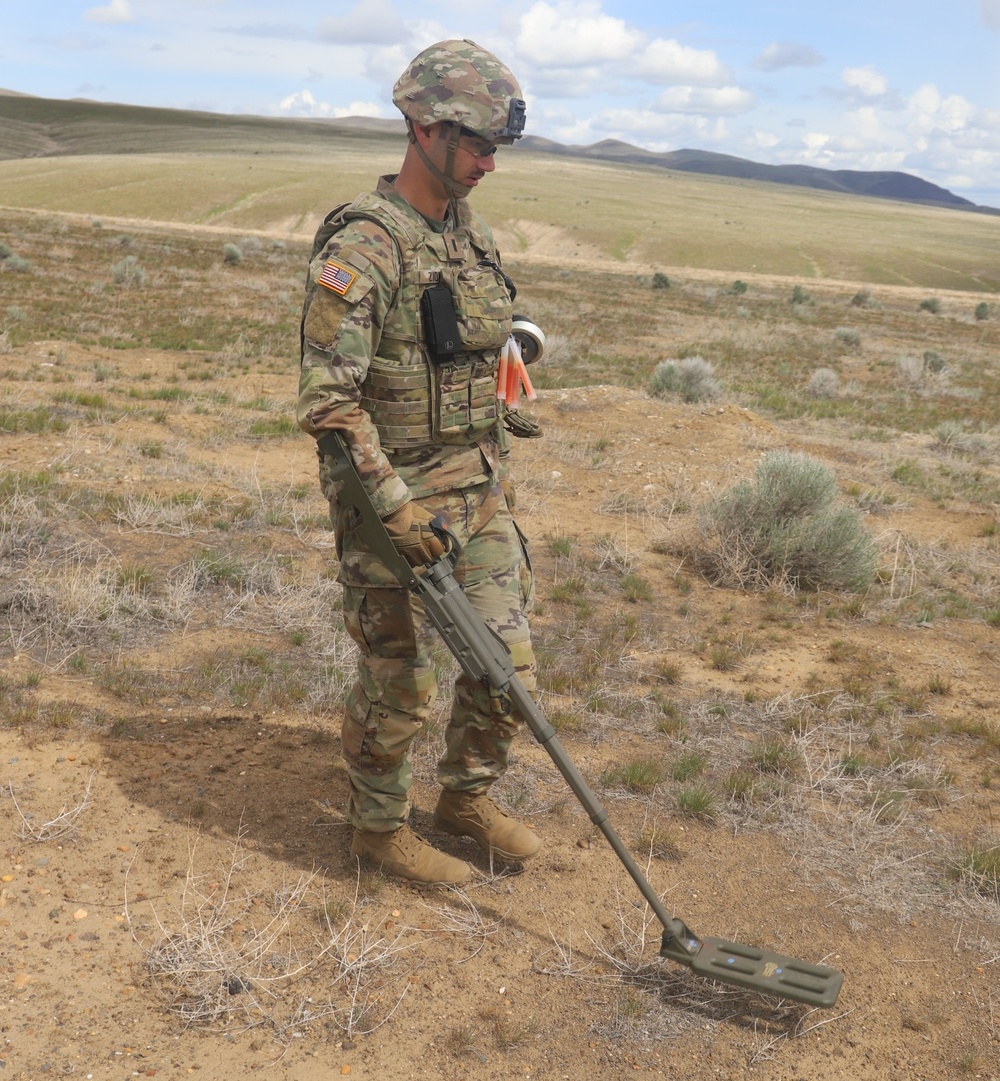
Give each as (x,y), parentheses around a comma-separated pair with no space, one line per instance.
(719,101)
(666,61)
(566,82)
(569,34)
(385,65)
(869,82)
(578,37)
(304,104)
(787,54)
(928,110)
(117,11)
(267,30)
(654,131)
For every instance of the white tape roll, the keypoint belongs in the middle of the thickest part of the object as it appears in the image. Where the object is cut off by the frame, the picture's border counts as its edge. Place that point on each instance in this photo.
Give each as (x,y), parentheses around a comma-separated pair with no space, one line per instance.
(529,337)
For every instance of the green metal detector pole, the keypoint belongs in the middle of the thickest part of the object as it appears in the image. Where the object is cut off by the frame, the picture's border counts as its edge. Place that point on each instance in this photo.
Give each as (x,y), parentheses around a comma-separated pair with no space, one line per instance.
(485,659)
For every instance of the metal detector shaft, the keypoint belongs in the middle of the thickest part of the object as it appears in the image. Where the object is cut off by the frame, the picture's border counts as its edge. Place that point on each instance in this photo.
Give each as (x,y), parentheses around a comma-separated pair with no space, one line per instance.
(484,658)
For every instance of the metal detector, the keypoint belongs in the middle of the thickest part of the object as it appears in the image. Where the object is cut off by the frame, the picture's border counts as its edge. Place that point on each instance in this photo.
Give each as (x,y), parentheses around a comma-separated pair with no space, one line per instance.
(484,658)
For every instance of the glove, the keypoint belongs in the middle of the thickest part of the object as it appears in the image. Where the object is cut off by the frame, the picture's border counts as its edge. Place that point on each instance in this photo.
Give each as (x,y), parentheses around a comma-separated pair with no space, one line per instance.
(411,533)
(518,424)
(507,487)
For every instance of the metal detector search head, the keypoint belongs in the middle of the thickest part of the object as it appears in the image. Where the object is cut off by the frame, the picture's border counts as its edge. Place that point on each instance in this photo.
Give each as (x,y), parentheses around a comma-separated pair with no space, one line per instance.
(757,970)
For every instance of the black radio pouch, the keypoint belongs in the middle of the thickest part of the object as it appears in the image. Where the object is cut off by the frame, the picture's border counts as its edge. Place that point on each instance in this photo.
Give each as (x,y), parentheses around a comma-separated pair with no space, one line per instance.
(437,308)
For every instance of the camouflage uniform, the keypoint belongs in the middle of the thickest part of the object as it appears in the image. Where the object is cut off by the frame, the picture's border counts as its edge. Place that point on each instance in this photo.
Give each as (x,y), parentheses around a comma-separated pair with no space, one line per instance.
(424,431)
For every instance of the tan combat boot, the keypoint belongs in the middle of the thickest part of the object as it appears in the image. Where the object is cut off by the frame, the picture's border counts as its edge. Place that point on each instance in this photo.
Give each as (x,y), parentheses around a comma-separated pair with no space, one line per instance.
(475,815)
(406,855)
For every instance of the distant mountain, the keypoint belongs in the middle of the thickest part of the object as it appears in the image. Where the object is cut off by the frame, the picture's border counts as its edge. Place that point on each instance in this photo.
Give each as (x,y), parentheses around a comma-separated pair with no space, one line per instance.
(882,185)
(46,127)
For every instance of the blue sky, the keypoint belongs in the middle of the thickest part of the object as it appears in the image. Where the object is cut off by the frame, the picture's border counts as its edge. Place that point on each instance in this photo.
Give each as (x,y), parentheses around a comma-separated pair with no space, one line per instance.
(881,84)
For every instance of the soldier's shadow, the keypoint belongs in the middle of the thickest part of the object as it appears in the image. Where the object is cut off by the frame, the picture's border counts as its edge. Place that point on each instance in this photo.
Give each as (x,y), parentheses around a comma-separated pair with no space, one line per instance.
(280,789)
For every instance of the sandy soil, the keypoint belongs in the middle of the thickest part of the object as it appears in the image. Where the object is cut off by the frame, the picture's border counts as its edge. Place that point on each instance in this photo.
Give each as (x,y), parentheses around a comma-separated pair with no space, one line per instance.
(173,834)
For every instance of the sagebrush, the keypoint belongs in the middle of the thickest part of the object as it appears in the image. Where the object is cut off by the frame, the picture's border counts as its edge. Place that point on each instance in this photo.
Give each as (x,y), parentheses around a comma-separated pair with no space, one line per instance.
(785,527)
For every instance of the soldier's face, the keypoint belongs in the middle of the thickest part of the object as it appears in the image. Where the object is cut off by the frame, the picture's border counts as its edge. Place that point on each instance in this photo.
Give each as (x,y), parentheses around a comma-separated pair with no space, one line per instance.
(473,158)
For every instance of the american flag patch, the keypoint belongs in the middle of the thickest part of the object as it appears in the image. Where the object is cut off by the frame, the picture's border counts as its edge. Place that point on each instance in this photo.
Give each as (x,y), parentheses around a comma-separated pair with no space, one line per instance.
(337,278)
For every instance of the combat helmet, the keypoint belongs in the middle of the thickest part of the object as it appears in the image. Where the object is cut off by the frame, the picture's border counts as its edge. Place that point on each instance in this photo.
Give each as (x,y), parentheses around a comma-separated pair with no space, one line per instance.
(460,82)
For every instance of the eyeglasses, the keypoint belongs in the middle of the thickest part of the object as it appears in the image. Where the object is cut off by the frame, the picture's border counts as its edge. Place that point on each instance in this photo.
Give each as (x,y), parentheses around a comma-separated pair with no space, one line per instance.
(472,144)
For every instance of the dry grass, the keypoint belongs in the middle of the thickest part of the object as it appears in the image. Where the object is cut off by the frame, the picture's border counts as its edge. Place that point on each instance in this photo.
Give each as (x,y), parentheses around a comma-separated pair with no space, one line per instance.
(718,223)
(60,828)
(233,959)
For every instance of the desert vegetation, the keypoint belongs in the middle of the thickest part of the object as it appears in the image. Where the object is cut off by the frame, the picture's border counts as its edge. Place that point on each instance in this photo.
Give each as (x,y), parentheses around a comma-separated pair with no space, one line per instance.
(765,625)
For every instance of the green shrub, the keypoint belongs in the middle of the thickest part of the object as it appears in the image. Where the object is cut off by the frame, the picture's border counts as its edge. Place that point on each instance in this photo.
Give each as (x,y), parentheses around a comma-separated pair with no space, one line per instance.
(952,436)
(982,311)
(848,336)
(6,251)
(978,865)
(800,296)
(771,755)
(931,304)
(862,299)
(127,272)
(636,588)
(17,263)
(738,288)
(660,281)
(689,765)
(692,378)
(785,527)
(232,254)
(642,774)
(696,801)
(933,362)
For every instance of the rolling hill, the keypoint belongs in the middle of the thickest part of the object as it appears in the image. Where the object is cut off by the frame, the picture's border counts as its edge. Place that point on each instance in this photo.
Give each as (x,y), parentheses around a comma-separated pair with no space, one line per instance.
(44,127)
(884,184)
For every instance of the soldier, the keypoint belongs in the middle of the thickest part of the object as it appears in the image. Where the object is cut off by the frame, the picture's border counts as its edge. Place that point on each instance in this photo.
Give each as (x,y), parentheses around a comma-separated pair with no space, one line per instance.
(406,312)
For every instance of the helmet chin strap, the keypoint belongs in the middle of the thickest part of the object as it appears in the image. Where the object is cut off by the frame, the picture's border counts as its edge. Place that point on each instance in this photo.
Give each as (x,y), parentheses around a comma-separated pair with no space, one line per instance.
(455,190)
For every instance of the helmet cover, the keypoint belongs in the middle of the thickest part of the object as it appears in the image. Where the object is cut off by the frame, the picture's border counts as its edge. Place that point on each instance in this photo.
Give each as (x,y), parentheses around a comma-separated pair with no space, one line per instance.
(460,82)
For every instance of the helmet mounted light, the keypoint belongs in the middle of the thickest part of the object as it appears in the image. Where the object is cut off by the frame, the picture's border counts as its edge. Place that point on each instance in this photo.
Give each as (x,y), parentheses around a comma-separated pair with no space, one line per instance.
(514,128)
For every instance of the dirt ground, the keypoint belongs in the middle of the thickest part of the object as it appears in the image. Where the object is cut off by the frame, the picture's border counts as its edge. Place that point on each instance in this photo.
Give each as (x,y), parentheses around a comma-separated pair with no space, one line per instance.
(164,836)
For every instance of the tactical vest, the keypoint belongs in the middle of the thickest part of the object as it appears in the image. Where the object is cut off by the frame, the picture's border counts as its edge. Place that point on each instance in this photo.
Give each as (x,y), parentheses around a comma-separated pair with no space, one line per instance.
(413,400)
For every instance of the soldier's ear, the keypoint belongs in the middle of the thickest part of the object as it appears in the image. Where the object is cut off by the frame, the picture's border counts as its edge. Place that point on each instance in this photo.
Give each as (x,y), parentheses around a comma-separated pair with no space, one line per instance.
(428,134)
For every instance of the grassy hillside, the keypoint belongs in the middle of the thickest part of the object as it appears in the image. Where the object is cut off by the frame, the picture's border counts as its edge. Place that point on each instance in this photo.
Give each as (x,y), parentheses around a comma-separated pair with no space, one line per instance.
(44,126)
(280,177)
(562,210)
